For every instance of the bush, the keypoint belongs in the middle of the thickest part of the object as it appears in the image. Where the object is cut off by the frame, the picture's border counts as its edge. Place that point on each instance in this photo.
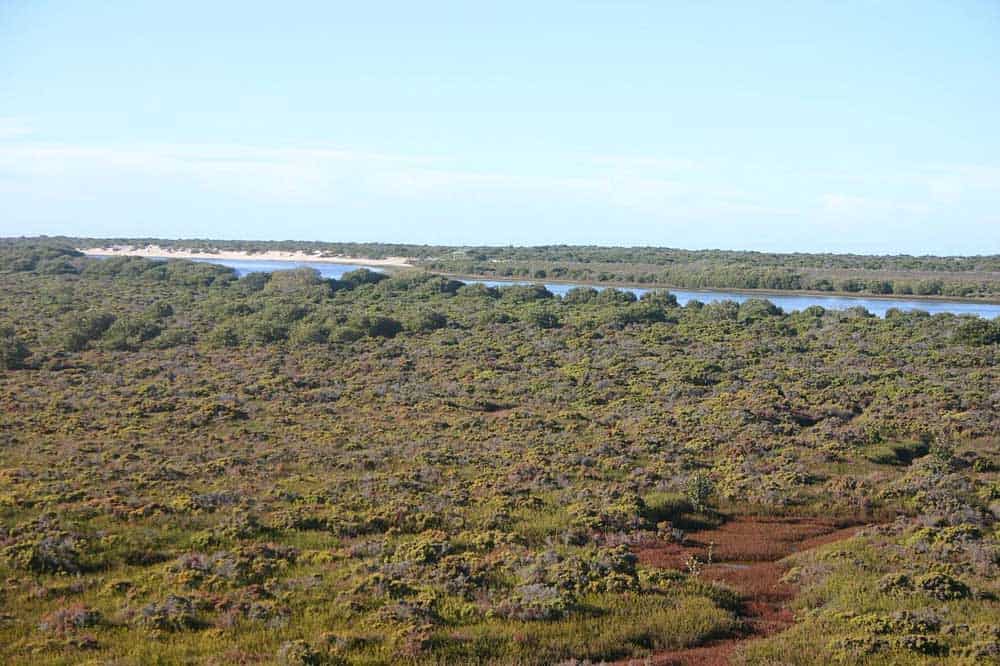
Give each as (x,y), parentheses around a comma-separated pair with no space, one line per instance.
(305,281)
(70,618)
(755,309)
(55,553)
(640,313)
(699,490)
(898,454)
(361,277)
(48,259)
(543,318)
(578,295)
(928,645)
(128,334)
(346,334)
(520,293)
(298,653)
(978,332)
(80,331)
(941,586)
(224,335)
(428,548)
(172,337)
(660,297)
(175,613)
(534,602)
(13,351)
(377,326)
(426,321)
(309,333)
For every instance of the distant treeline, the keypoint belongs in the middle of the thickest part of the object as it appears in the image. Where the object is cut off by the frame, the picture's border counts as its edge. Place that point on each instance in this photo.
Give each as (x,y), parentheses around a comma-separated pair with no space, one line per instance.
(969,277)
(208,246)
(578,254)
(662,256)
(737,276)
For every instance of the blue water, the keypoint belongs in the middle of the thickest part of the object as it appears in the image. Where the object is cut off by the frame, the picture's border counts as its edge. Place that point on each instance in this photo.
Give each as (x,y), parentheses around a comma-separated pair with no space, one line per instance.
(788,303)
(244,266)
(791,302)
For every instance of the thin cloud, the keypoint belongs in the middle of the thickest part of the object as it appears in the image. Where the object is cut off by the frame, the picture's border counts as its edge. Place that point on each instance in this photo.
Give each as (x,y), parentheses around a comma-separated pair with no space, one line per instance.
(317,175)
(669,191)
(14,128)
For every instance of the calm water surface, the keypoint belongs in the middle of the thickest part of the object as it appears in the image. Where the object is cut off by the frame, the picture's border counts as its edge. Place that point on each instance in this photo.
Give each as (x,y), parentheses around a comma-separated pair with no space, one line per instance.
(788,302)
(244,266)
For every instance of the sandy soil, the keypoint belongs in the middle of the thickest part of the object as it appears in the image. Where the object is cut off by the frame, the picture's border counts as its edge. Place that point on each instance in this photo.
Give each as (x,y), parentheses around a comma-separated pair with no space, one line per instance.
(746,556)
(155,251)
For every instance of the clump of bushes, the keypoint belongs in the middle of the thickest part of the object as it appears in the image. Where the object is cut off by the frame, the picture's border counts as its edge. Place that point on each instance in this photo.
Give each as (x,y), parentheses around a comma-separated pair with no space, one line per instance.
(175,613)
(128,333)
(13,350)
(52,553)
(83,329)
(425,321)
(428,548)
(941,586)
(70,618)
(935,584)
(902,453)
(243,565)
(978,332)
(298,653)
(699,490)
(534,601)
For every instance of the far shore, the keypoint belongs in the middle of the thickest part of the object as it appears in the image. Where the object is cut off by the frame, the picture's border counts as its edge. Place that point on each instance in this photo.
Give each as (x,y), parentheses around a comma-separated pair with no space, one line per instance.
(157,252)
(987,300)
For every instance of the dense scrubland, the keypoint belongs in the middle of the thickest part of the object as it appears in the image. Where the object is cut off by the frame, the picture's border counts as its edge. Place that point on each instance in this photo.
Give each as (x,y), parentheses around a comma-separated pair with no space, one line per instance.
(901,275)
(406,469)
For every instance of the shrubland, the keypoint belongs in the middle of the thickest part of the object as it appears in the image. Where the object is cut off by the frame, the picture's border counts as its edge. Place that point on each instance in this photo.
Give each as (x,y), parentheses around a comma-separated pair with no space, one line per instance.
(405,469)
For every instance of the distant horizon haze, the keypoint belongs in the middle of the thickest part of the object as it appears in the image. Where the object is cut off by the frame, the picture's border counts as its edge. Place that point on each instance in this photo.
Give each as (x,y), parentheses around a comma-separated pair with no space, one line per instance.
(181,239)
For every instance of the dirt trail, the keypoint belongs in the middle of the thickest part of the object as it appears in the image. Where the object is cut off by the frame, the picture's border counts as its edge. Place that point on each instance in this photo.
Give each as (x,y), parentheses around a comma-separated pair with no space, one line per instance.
(745,557)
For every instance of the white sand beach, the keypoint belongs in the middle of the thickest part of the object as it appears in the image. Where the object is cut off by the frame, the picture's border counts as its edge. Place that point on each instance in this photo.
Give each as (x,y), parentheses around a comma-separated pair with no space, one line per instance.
(155,251)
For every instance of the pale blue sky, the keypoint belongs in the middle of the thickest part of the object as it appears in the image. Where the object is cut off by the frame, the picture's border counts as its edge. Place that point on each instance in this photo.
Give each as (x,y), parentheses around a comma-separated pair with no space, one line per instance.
(836,126)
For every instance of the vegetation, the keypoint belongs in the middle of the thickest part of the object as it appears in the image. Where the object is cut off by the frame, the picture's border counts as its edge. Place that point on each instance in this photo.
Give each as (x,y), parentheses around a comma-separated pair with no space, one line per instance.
(902,275)
(405,469)
(957,277)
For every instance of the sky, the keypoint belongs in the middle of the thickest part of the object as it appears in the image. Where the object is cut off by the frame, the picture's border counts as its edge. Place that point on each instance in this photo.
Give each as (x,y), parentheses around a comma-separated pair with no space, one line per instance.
(869,127)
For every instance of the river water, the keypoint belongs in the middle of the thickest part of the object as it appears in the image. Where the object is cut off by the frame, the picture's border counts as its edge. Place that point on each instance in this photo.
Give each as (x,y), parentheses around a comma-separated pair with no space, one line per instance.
(787,302)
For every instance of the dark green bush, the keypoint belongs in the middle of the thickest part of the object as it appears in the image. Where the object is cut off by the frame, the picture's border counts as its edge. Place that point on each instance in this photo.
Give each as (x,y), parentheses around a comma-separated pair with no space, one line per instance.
(978,332)
(83,329)
(13,350)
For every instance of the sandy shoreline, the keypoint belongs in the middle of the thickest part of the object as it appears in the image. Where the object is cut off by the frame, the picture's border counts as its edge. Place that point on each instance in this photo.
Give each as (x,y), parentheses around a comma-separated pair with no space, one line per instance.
(157,252)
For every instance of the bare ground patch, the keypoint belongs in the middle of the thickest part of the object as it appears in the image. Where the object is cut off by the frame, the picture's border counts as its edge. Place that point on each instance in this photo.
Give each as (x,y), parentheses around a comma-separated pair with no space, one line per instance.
(746,554)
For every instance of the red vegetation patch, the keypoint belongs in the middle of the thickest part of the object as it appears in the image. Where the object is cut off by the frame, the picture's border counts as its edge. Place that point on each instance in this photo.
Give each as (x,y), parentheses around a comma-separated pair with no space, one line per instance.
(745,554)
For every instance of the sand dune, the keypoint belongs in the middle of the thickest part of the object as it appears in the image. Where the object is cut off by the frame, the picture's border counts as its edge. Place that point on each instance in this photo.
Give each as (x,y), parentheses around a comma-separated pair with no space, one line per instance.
(155,251)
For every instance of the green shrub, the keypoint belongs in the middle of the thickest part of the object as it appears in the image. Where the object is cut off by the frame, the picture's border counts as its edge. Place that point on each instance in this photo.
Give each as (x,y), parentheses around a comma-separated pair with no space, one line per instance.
(978,332)
(699,490)
(82,329)
(309,333)
(53,553)
(128,333)
(425,321)
(941,586)
(902,453)
(13,351)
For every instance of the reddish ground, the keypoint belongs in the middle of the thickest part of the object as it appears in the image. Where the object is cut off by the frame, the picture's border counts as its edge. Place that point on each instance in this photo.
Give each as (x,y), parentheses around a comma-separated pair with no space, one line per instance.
(745,557)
